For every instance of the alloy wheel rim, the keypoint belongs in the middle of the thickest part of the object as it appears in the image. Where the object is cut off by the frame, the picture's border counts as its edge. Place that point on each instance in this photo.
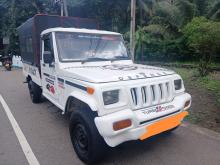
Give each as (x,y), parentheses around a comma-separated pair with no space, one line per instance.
(80,139)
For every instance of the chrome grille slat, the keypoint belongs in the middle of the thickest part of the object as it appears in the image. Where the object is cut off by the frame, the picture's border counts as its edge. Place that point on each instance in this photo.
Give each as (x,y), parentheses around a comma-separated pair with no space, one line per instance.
(134,96)
(139,97)
(165,94)
(168,90)
(144,94)
(157,94)
(150,95)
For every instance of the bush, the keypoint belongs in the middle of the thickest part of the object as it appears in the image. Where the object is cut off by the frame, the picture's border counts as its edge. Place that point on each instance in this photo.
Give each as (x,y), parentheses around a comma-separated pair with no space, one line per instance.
(203,36)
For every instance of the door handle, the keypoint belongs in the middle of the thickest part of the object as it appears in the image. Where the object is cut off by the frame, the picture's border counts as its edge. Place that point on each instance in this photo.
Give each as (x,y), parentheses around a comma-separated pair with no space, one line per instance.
(44,65)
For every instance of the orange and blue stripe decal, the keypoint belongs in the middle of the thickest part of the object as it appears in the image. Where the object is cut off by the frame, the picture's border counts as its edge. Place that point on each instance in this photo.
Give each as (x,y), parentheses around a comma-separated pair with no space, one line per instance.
(76,85)
(60,80)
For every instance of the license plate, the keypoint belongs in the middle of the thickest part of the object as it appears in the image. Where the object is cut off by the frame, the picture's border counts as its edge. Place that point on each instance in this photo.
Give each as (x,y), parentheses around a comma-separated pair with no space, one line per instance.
(164,125)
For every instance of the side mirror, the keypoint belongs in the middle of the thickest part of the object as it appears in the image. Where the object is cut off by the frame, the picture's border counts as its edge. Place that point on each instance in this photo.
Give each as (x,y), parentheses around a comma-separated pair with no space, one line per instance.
(48,57)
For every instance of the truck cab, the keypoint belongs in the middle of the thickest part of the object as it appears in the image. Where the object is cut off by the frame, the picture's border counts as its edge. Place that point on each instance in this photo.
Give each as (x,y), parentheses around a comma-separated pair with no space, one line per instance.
(89,74)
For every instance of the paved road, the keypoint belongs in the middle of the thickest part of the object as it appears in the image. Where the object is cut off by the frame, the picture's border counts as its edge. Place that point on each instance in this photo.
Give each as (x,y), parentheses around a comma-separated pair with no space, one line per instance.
(46,131)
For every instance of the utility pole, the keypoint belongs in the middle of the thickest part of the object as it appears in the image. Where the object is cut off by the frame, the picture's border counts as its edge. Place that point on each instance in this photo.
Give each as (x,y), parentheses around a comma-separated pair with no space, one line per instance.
(61,8)
(132,30)
(65,8)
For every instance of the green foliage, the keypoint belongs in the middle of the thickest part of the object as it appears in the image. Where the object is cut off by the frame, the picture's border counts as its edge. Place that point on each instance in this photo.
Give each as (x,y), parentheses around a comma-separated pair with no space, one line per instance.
(159,22)
(14,13)
(164,40)
(214,12)
(201,6)
(210,82)
(203,36)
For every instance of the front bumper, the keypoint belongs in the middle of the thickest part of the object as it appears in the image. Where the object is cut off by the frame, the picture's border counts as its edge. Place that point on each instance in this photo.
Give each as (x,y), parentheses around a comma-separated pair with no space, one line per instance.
(144,124)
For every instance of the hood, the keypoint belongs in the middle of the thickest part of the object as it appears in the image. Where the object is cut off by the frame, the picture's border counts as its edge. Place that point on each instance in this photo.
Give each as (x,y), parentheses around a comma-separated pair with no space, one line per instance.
(113,73)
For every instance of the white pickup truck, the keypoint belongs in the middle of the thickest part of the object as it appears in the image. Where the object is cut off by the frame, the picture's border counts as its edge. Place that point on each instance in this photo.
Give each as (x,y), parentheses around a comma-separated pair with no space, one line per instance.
(89,74)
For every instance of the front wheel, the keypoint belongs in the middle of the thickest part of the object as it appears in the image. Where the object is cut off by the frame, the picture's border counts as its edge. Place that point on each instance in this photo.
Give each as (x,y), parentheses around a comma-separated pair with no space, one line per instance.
(87,142)
(35,92)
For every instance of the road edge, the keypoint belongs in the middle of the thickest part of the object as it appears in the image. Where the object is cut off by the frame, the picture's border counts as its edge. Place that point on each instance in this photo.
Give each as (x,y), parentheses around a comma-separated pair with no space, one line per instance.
(201,130)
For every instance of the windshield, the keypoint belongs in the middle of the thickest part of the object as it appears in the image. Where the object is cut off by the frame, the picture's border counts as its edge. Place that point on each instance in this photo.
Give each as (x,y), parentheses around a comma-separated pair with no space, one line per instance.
(90,47)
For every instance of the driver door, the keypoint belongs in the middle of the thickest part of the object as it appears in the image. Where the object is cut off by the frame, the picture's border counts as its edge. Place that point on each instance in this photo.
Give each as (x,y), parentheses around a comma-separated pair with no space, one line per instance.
(48,70)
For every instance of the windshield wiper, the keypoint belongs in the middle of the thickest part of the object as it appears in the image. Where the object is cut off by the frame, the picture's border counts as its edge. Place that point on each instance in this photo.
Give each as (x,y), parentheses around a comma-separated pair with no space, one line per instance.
(119,58)
(94,59)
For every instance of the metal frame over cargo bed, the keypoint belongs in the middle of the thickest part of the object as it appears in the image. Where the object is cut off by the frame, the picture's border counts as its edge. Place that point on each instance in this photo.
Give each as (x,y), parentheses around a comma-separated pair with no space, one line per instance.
(29,33)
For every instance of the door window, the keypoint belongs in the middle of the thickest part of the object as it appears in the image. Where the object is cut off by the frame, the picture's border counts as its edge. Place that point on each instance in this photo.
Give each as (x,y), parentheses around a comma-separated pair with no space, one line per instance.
(48,46)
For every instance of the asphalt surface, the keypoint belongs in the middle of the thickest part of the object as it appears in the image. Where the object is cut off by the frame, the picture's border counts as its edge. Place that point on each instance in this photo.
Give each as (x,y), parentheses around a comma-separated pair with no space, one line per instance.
(46,130)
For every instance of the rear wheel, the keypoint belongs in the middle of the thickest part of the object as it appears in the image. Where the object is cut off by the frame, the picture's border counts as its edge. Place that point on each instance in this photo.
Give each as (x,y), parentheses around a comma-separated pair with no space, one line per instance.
(35,92)
(87,142)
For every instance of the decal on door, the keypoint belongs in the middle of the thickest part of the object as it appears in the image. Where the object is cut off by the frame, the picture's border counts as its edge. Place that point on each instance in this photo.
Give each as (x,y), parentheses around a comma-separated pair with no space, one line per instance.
(49,76)
(49,81)
(61,83)
(50,88)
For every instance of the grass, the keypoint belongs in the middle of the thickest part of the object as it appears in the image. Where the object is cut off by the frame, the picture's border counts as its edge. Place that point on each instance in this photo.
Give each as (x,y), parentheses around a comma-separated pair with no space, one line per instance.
(193,63)
(210,82)
(192,119)
(197,63)
(186,74)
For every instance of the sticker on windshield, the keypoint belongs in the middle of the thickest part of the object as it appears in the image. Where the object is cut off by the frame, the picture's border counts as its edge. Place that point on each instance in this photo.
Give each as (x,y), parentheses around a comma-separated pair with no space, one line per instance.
(111,38)
(107,37)
(89,36)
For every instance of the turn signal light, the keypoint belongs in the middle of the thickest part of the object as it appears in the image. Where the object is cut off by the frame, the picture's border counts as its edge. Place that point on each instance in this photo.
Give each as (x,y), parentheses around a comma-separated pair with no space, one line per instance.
(122,124)
(90,90)
(186,104)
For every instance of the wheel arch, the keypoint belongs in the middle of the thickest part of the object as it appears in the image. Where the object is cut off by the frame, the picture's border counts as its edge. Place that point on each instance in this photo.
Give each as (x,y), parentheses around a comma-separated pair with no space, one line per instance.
(79,101)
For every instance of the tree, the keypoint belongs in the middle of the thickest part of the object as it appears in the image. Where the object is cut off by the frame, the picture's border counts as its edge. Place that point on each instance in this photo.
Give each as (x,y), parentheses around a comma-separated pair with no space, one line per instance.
(202,7)
(203,36)
(14,13)
(214,12)
(159,22)
(162,30)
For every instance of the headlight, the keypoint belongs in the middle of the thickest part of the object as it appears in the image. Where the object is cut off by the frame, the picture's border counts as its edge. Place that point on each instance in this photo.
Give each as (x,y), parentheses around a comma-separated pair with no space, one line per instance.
(110,97)
(178,84)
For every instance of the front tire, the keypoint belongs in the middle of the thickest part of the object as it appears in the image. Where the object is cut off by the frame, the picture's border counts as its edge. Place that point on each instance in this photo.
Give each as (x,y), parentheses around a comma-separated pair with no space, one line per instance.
(35,92)
(87,142)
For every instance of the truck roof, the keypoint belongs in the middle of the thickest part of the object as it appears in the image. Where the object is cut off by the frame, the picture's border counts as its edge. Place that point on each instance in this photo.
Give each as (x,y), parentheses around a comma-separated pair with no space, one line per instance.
(78,30)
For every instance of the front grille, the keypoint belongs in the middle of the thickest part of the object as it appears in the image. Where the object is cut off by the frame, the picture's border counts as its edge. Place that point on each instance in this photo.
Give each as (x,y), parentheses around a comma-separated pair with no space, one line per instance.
(146,96)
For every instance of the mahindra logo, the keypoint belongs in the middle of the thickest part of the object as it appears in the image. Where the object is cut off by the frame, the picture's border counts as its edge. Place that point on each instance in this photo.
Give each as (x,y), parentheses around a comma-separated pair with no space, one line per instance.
(158,109)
